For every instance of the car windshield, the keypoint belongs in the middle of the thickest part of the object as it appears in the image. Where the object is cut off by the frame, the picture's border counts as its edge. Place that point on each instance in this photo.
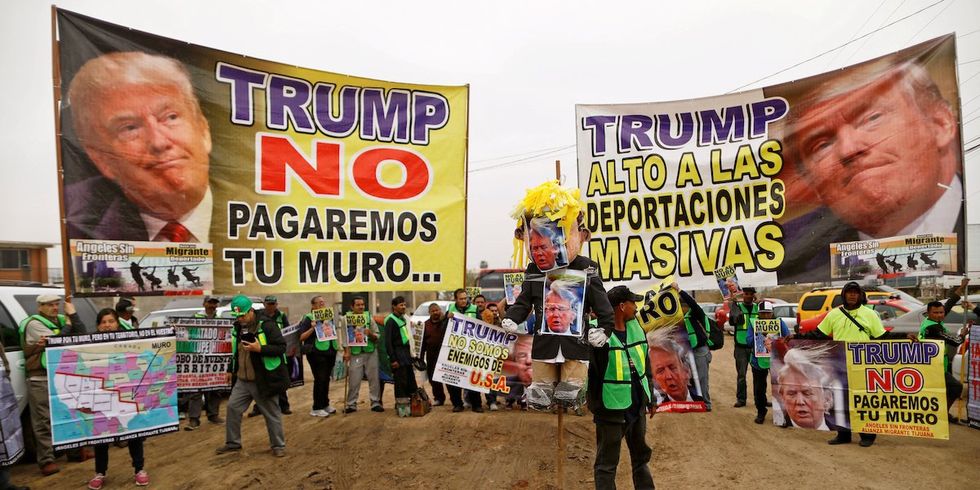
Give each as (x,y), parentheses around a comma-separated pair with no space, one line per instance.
(86,309)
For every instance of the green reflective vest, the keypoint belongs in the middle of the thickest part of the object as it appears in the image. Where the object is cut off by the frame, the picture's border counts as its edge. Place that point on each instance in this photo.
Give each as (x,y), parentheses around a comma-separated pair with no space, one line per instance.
(741,331)
(271,363)
(470,310)
(922,334)
(691,336)
(126,325)
(355,350)
(616,384)
(47,323)
(402,327)
(321,346)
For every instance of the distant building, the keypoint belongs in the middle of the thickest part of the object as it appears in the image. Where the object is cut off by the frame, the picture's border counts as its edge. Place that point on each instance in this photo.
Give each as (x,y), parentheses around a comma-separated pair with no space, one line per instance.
(24,261)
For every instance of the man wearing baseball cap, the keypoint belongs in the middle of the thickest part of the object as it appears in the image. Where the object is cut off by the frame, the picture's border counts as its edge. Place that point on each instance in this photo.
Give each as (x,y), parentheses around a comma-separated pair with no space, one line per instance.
(273,312)
(209,399)
(619,392)
(741,316)
(34,333)
(258,370)
(125,308)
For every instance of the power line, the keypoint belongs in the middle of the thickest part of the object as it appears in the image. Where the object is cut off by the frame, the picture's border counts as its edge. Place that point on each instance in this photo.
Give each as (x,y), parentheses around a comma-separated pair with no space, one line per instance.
(522,160)
(522,154)
(858,30)
(930,21)
(858,50)
(838,47)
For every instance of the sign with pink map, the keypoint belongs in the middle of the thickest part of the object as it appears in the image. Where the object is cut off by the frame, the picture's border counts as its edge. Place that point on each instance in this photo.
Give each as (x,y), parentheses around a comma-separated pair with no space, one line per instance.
(112,386)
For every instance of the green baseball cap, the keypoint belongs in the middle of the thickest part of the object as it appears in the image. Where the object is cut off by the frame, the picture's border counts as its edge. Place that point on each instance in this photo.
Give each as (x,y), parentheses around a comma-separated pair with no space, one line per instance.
(240,305)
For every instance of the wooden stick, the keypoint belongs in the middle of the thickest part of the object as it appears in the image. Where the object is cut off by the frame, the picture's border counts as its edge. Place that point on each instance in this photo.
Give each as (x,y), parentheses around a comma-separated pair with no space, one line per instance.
(66,264)
(560,467)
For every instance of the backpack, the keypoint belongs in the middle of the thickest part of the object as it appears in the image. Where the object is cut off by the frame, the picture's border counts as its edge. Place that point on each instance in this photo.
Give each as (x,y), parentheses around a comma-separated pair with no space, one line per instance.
(716,336)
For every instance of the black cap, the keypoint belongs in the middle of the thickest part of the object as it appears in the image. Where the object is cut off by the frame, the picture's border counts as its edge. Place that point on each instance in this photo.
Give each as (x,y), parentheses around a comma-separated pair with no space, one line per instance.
(271,299)
(622,294)
(211,299)
(748,289)
(124,305)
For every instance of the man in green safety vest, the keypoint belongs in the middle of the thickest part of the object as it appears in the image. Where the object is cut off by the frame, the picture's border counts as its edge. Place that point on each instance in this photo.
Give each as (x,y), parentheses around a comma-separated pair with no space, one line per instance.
(258,369)
(34,333)
(932,327)
(697,324)
(209,399)
(741,315)
(462,306)
(125,308)
(619,393)
(398,344)
(273,312)
(321,356)
(363,360)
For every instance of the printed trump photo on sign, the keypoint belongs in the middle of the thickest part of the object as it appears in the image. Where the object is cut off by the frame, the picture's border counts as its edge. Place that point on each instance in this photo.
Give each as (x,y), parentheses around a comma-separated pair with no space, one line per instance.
(563,300)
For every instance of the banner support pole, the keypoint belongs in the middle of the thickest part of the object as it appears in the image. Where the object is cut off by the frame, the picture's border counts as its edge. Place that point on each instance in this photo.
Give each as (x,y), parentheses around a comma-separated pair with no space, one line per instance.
(560,466)
(67,275)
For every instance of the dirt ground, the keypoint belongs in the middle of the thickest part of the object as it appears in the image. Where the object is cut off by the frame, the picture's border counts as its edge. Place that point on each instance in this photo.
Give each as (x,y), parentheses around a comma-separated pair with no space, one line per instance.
(517,450)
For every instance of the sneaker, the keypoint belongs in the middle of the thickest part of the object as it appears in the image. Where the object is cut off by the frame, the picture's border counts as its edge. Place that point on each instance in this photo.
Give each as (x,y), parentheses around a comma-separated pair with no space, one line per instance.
(215,419)
(494,407)
(478,409)
(287,411)
(466,404)
(97,481)
(331,410)
(227,449)
(141,478)
(192,424)
(254,413)
(49,469)
(438,403)
(350,410)
(837,440)
(954,420)
(458,409)
(739,404)
(181,415)
(759,419)
(319,413)
(279,452)
(866,442)
(377,408)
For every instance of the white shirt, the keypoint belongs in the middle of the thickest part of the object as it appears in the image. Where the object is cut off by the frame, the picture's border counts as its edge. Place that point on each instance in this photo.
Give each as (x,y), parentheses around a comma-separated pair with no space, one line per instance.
(949,204)
(197,221)
(822,426)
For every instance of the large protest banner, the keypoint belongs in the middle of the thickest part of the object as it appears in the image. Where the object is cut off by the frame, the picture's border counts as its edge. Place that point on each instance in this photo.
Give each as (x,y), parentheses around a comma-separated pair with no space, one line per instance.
(889,387)
(765,180)
(203,353)
(112,386)
(473,355)
(291,179)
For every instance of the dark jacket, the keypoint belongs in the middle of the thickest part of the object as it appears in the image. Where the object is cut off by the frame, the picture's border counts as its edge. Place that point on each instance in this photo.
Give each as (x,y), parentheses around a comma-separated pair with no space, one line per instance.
(532,298)
(597,371)
(397,350)
(97,208)
(270,382)
(435,333)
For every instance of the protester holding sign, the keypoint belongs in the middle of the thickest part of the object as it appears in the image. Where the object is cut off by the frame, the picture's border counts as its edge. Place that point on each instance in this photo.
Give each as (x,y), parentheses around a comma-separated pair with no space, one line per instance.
(852,322)
(210,399)
(107,320)
(559,361)
(932,328)
(34,332)
(742,315)
(362,359)
(696,323)
(435,333)
(258,368)
(273,312)
(762,331)
(619,393)
(398,345)
(462,306)
(321,354)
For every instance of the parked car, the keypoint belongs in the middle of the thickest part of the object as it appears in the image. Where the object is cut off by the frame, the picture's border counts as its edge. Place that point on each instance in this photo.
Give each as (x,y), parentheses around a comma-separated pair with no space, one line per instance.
(910,322)
(721,314)
(821,300)
(159,317)
(17,302)
(787,313)
(887,309)
(421,314)
(710,308)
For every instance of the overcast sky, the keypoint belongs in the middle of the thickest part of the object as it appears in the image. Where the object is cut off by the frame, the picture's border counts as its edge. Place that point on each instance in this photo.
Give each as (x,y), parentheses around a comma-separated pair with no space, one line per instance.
(527,63)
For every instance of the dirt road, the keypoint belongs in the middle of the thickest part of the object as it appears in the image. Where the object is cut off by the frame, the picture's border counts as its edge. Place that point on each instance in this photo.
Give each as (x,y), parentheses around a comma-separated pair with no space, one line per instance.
(516,450)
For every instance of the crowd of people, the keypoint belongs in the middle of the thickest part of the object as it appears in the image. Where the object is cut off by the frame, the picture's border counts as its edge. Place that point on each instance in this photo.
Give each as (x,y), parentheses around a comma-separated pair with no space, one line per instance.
(621,364)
